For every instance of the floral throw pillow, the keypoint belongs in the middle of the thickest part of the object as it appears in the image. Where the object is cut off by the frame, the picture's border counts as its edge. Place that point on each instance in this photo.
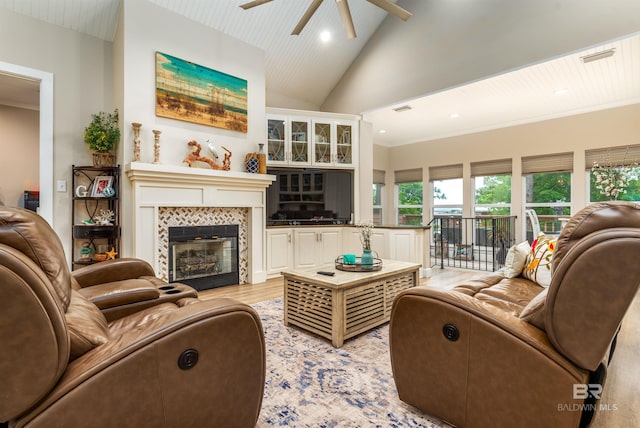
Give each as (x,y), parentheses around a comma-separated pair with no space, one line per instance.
(537,268)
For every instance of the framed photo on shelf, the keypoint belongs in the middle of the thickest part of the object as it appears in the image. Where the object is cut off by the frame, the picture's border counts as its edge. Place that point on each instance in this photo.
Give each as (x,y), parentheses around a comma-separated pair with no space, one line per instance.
(100,183)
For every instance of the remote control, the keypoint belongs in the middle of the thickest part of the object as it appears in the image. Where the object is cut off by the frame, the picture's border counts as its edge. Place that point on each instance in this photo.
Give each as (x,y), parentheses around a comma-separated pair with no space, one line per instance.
(322,272)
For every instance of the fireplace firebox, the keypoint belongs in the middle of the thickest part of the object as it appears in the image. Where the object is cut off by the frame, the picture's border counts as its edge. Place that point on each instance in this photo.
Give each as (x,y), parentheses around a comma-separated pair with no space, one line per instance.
(204,257)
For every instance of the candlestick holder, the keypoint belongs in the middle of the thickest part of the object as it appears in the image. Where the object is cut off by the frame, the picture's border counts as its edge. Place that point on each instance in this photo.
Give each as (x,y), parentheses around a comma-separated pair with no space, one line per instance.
(156,146)
(136,141)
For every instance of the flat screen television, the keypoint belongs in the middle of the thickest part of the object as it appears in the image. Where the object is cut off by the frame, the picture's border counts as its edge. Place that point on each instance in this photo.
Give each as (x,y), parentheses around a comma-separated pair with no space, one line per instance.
(310,196)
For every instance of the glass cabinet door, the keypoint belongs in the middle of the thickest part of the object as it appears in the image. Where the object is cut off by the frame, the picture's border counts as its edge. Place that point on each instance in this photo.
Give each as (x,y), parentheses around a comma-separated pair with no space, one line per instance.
(344,144)
(276,140)
(299,141)
(322,143)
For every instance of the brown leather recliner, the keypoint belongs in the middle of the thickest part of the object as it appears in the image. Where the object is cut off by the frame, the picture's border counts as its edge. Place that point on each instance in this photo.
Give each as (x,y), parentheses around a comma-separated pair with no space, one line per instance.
(188,363)
(123,286)
(498,352)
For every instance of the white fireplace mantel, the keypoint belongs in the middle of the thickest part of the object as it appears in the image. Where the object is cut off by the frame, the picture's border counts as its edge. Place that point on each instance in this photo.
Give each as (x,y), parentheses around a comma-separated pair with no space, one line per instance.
(155,186)
(158,173)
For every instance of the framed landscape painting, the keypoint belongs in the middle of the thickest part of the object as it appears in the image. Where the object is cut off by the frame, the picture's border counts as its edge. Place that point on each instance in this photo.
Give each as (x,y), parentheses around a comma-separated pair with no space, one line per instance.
(193,93)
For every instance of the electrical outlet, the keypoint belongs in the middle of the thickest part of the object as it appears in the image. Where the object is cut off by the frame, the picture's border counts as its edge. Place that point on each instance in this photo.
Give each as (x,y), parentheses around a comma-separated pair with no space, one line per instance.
(61,186)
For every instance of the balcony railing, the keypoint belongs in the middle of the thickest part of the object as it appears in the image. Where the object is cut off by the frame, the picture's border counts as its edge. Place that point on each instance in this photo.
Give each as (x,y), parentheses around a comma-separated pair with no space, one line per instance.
(479,243)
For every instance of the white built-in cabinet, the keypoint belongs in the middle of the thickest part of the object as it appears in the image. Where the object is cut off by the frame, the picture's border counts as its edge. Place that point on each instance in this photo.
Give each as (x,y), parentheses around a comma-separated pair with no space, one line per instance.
(316,246)
(307,247)
(299,138)
(279,250)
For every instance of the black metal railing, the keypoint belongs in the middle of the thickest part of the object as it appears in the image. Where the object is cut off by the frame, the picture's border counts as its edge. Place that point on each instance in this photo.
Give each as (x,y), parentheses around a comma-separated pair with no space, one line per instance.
(479,243)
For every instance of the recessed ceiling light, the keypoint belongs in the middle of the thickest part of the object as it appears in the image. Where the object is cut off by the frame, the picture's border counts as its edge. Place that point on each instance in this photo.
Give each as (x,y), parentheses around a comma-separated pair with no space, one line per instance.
(561,91)
(325,36)
(382,131)
(454,115)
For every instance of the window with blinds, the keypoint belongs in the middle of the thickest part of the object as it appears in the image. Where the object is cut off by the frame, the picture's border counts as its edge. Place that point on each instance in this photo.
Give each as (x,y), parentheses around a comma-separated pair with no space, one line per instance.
(408,175)
(614,156)
(493,167)
(492,187)
(447,172)
(378,176)
(409,191)
(559,162)
(617,175)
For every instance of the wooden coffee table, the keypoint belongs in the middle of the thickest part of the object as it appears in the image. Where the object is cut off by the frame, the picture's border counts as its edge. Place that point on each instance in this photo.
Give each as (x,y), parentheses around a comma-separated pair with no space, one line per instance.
(341,306)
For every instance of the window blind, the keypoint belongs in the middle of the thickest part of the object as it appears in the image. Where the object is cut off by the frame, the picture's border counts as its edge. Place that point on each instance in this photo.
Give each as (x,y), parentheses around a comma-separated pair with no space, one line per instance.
(493,167)
(378,176)
(446,172)
(408,175)
(558,162)
(623,155)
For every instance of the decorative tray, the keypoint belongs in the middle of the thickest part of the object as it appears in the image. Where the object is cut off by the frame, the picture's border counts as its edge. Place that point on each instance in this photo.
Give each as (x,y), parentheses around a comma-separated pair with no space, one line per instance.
(358,266)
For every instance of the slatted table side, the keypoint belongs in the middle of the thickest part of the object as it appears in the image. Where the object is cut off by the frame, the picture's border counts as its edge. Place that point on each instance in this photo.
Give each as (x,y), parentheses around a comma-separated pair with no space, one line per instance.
(309,306)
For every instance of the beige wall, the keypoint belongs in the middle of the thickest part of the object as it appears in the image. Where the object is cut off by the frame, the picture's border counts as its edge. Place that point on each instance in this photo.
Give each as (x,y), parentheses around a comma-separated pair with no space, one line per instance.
(20,163)
(81,66)
(606,128)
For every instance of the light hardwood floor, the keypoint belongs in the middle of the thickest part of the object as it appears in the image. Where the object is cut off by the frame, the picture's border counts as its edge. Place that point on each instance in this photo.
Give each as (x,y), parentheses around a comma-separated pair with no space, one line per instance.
(621,396)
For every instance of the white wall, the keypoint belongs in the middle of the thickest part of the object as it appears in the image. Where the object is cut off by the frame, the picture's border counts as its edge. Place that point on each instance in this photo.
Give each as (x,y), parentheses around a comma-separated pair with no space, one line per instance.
(81,66)
(19,132)
(145,28)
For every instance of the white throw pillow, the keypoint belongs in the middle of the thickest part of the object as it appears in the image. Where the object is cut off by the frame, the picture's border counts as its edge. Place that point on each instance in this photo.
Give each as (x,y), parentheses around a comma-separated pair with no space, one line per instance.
(516,258)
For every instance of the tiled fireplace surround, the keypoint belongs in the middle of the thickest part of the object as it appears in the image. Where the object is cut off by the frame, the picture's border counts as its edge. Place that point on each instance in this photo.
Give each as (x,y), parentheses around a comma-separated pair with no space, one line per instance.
(167,195)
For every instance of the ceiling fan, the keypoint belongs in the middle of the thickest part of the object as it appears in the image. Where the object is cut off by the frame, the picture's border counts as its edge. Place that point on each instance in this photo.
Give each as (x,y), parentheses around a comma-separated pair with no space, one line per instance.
(345,13)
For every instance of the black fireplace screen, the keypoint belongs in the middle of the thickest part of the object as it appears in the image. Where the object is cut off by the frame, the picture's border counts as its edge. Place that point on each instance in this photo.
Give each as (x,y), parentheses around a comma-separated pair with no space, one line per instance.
(204,256)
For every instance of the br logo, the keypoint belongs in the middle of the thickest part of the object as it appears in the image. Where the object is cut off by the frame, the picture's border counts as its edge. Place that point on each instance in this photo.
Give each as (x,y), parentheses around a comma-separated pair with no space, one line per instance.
(582,391)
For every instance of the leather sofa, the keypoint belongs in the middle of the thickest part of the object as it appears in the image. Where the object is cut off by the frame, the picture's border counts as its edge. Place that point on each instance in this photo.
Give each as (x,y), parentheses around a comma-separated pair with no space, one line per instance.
(505,352)
(180,363)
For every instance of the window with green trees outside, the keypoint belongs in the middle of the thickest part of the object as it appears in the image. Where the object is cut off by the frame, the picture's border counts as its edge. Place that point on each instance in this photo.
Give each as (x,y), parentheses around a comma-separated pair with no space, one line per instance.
(410,203)
(492,195)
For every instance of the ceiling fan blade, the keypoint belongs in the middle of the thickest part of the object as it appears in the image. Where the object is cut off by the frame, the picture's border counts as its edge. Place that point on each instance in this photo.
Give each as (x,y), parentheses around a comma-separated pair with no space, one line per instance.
(306,17)
(345,15)
(254,3)
(392,8)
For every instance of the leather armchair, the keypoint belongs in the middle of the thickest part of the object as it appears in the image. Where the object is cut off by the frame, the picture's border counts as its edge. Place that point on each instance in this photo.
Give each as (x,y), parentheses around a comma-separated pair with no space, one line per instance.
(123,286)
(187,363)
(499,352)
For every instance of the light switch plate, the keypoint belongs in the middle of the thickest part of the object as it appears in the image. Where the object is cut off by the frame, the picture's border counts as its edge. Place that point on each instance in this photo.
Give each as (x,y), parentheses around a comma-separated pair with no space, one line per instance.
(61,186)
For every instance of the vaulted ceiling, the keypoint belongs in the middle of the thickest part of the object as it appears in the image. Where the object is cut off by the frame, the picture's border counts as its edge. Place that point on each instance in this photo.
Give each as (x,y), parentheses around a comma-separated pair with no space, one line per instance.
(302,71)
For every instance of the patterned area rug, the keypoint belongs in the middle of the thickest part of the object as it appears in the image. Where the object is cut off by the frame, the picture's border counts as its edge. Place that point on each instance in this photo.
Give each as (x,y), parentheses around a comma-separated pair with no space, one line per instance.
(309,383)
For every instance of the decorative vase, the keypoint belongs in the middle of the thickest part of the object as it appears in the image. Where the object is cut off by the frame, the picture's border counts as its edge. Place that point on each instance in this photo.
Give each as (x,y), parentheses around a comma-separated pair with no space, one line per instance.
(367,259)
(262,159)
(103,159)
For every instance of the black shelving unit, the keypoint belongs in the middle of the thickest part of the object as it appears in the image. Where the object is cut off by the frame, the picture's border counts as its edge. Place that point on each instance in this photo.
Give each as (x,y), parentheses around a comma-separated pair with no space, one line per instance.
(89,202)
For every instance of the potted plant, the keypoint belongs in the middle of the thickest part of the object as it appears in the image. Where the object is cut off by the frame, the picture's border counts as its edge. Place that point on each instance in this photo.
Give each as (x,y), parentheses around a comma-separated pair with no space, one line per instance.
(102,134)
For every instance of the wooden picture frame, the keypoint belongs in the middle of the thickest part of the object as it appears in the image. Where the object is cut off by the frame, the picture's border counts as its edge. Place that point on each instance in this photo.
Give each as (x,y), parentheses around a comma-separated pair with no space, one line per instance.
(99,184)
(198,94)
